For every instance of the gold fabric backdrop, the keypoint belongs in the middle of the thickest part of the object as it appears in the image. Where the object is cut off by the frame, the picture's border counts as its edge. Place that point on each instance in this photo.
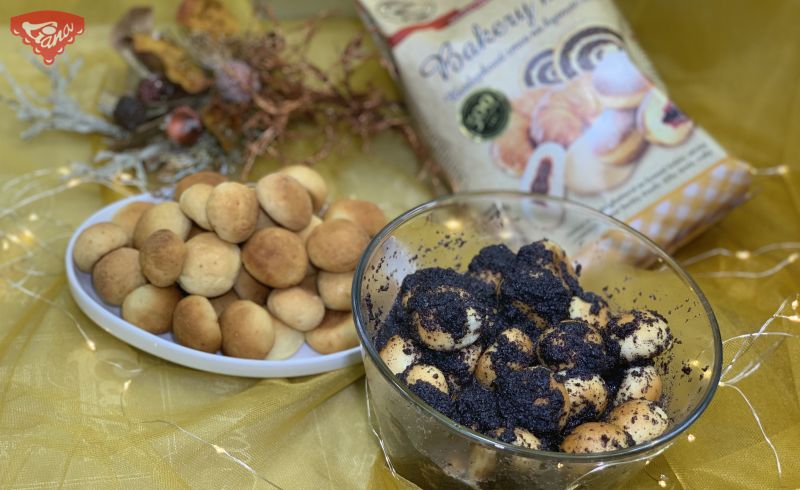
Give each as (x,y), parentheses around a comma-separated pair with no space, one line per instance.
(113,417)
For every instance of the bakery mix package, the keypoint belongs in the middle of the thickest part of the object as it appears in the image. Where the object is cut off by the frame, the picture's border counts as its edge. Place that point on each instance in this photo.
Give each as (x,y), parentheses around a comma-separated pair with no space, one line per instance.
(549,96)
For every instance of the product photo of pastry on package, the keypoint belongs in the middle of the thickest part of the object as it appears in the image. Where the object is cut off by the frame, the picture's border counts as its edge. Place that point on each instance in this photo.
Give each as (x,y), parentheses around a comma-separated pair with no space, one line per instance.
(555,98)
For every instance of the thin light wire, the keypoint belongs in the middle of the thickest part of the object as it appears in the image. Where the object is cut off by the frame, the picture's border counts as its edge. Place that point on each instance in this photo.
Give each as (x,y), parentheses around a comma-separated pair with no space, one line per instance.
(760,426)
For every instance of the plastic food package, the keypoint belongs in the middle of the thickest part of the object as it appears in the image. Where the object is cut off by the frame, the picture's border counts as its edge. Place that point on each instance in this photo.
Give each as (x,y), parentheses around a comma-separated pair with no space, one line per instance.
(548,97)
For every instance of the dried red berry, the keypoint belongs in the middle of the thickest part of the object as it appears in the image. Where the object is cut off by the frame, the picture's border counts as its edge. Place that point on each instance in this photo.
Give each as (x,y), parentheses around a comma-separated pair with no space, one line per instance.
(155,89)
(129,112)
(184,126)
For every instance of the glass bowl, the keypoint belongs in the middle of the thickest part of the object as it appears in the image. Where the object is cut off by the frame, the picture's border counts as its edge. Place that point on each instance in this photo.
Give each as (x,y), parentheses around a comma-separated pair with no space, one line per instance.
(433,451)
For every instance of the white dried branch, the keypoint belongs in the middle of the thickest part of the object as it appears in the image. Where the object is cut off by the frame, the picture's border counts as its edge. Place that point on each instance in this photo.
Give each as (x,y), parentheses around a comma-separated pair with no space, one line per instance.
(57,110)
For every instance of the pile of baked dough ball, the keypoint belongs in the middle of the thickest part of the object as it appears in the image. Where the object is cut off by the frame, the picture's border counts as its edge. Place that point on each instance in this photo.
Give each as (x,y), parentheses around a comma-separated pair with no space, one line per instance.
(586,135)
(252,271)
(517,350)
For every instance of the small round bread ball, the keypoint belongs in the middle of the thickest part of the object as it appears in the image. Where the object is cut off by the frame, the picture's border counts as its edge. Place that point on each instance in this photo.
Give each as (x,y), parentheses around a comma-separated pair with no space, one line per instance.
(264,221)
(427,374)
(595,313)
(571,344)
(275,257)
(642,419)
(161,257)
(193,204)
(285,200)
(399,354)
(247,330)
(204,177)
(518,437)
(117,274)
(127,216)
(336,245)
(211,266)
(232,211)
(513,348)
(247,287)
(439,336)
(641,334)
(639,383)
(549,255)
(150,307)
(195,324)
(165,215)
(222,302)
(96,241)
(297,307)
(337,332)
(595,437)
(335,289)
(586,392)
(287,341)
(364,213)
(312,225)
(311,180)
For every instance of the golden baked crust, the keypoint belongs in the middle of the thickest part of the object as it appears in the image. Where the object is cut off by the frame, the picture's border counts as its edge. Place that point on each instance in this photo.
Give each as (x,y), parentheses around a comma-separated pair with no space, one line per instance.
(161,257)
(205,177)
(117,274)
(195,324)
(165,215)
(363,213)
(96,241)
(232,211)
(336,245)
(150,307)
(211,266)
(285,200)
(275,257)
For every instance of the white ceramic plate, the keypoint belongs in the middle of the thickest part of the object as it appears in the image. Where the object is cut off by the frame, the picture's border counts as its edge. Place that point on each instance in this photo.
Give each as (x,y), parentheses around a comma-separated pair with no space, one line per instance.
(305,361)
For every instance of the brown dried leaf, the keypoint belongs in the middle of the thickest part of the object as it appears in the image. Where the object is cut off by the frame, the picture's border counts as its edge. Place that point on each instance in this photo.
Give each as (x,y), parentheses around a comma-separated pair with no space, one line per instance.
(136,19)
(224,125)
(207,16)
(161,55)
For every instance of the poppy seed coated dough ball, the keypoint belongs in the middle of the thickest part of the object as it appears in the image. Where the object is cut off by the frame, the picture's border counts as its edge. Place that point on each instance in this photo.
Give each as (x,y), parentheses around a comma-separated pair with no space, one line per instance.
(311,180)
(275,257)
(594,437)
(586,392)
(399,354)
(641,335)
(165,215)
(195,324)
(363,213)
(639,383)
(642,419)
(211,266)
(117,274)
(285,200)
(247,330)
(336,245)
(161,257)
(232,211)
(96,241)
(297,307)
(193,204)
(211,178)
(427,374)
(128,216)
(150,307)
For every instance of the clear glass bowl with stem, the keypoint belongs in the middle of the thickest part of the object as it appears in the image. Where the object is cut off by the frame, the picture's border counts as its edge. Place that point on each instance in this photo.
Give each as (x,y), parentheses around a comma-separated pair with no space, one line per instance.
(431,450)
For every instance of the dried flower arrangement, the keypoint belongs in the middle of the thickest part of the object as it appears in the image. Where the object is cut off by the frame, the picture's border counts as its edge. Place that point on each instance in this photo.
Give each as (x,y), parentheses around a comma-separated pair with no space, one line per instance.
(214,96)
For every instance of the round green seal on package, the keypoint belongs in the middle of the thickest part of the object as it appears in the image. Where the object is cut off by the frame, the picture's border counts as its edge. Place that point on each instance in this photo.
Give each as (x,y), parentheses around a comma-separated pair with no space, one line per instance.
(485,113)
